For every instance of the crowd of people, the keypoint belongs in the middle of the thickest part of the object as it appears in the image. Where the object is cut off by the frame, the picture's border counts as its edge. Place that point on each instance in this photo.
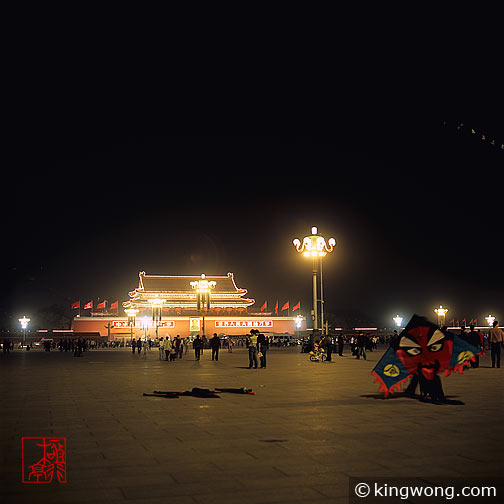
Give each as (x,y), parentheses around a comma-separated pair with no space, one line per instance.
(258,344)
(359,344)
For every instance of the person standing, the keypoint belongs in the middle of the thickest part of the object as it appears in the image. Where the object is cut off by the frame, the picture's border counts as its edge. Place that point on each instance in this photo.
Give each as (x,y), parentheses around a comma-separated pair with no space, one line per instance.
(161,349)
(341,344)
(197,345)
(215,344)
(177,343)
(167,348)
(80,347)
(262,348)
(252,348)
(496,340)
(328,347)
(361,346)
(139,345)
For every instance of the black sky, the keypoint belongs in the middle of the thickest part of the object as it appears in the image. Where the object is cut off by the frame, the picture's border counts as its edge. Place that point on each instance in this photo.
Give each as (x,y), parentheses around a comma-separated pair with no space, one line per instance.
(415,207)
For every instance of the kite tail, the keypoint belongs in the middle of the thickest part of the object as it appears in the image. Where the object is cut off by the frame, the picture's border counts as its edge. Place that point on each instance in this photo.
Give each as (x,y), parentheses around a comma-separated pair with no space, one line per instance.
(386,390)
(460,367)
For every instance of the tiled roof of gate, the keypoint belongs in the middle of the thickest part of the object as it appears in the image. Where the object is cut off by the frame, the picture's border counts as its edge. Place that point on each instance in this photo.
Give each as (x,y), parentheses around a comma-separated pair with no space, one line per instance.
(181,283)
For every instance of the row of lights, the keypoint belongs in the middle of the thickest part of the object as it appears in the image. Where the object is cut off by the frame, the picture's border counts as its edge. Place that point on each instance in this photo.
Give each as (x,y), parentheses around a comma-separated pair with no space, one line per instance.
(441,313)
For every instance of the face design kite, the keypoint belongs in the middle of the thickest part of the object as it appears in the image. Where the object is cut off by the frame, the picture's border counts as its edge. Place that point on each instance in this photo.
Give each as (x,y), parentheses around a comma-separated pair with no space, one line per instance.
(421,352)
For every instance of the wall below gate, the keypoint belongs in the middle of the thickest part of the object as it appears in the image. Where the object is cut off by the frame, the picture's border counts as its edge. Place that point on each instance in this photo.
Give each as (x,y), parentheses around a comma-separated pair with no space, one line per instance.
(184,326)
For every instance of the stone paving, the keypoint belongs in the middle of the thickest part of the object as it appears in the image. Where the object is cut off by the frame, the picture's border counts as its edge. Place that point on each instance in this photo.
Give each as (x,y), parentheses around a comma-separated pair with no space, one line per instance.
(307,430)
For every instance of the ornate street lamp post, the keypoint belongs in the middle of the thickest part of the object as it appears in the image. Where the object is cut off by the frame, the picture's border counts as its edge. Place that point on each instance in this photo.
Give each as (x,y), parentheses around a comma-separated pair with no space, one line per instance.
(203,288)
(398,320)
(441,314)
(131,312)
(145,325)
(157,309)
(315,246)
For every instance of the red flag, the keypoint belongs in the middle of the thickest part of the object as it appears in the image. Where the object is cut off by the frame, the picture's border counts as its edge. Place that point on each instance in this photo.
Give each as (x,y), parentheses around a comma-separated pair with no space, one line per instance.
(263,307)
(114,305)
(285,306)
(76,305)
(276,308)
(88,306)
(101,305)
(297,306)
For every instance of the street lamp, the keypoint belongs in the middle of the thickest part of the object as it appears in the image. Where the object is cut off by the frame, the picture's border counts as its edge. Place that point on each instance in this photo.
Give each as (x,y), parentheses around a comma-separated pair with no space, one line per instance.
(203,288)
(490,320)
(441,313)
(315,246)
(24,325)
(145,325)
(398,320)
(131,312)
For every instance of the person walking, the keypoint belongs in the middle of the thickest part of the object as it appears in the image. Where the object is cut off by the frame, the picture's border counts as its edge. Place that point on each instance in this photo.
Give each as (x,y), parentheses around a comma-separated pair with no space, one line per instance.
(197,345)
(215,344)
(262,349)
(252,348)
(133,345)
(139,345)
(496,340)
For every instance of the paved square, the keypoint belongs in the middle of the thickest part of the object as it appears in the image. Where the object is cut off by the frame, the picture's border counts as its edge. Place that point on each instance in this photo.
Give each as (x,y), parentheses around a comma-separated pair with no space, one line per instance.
(309,427)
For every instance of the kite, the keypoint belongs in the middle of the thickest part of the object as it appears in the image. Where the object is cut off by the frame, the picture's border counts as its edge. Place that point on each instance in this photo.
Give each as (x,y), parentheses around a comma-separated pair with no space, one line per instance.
(422,352)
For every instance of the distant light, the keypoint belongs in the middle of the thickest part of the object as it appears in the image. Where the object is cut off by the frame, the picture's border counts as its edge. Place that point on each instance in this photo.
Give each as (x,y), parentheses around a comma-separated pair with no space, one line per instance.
(24,322)
(365,328)
(490,320)
(398,320)
(314,230)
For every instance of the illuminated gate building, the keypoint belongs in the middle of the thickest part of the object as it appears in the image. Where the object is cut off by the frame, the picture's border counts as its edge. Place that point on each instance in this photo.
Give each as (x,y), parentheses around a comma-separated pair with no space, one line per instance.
(186,305)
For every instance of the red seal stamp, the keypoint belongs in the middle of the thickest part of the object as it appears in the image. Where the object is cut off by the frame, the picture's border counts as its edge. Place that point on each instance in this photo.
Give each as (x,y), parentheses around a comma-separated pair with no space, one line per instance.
(44,459)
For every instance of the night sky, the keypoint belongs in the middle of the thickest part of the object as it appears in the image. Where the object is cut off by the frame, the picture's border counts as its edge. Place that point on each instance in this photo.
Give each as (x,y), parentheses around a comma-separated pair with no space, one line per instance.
(415,207)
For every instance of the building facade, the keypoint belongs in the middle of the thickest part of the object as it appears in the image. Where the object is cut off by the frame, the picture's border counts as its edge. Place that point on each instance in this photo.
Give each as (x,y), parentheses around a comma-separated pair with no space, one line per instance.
(167,305)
